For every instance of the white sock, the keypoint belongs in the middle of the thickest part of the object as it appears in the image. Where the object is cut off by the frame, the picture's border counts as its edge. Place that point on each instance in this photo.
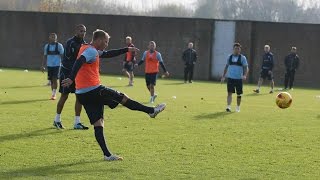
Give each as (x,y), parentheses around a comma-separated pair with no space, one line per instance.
(229,107)
(54,92)
(58,118)
(77,120)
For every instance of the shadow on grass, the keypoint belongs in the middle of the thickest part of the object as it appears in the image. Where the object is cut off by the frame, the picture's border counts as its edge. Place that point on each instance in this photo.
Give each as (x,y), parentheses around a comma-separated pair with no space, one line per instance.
(57,169)
(22,101)
(174,84)
(257,94)
(24,87)
(215,115)
(31,134)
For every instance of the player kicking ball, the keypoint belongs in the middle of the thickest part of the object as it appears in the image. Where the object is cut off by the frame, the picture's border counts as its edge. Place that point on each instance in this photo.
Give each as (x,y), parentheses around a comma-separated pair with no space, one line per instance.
(236,71)
(93,96)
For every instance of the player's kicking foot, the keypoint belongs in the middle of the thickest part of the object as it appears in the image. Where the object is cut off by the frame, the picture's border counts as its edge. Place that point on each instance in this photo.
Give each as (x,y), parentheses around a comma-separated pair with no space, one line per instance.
(113,158)
(80,126)
(256,91)
(58,125)
(158,109)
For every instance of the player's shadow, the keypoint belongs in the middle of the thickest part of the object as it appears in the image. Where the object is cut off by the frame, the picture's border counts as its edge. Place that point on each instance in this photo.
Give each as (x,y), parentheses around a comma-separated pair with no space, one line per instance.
(215,115)
(22,101)
(22,87)
(31,134)
(257,94)
(174,84)
(44,172)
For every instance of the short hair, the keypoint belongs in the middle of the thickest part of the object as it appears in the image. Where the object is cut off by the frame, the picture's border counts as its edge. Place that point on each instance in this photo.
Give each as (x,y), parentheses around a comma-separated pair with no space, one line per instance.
(237,45)
(266,46)
(128,37)
(52,34)
(153,43)
(80,26)
(97,34)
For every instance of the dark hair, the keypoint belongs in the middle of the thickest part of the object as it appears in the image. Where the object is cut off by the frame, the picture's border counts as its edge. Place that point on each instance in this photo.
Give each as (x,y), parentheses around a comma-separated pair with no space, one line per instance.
(97,34)
(52,34)
(237,45)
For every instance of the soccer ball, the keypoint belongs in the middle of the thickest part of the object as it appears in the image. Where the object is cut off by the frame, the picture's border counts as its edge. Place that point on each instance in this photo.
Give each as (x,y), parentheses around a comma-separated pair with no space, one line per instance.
(284,100)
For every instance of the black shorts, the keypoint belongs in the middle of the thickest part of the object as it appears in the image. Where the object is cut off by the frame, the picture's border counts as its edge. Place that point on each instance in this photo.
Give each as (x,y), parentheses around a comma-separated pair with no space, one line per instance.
(265,74)
(94,101)
(151,78)
(235,85)
(53,72)
(128,66)
(64,74)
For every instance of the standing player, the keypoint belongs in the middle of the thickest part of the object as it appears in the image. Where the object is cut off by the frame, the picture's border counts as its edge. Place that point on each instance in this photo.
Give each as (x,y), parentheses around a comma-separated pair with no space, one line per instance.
(291,62)
(266,69)
(189,57)
(152,59)
(72,48)
(236,71)
(129,61)
(52,54)
(92,95)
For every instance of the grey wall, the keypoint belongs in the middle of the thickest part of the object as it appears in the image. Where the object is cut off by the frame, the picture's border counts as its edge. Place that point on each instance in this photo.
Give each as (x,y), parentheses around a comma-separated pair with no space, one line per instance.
(23,35)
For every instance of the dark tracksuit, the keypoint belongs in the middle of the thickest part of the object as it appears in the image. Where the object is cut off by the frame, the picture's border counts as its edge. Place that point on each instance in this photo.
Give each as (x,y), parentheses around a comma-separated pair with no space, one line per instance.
(189,57)
(267,65)
(292,63)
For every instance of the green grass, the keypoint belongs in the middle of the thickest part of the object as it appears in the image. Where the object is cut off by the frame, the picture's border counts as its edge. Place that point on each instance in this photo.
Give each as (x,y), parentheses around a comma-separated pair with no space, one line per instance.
(192,139)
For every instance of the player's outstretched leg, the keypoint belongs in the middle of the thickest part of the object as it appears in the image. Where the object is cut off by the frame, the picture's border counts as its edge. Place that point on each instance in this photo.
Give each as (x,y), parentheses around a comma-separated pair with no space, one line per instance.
(136,106)
(131,104)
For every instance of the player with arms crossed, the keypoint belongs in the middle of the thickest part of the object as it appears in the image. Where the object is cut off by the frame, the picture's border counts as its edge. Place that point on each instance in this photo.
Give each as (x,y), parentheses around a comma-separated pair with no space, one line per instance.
(92,95)
(236,71)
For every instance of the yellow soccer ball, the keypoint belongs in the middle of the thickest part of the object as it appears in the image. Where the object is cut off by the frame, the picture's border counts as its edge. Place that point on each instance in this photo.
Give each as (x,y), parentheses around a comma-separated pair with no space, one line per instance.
(284,100)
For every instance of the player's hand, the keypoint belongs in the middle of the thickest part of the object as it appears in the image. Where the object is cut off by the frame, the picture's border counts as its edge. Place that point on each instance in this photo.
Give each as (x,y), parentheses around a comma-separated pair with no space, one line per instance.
(136,65)
(270,72)
(223,79)
(244,77)
(66,82)
(133,49)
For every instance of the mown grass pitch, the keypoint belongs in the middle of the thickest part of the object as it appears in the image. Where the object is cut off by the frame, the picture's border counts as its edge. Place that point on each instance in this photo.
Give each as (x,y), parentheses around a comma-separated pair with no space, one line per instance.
(192,139)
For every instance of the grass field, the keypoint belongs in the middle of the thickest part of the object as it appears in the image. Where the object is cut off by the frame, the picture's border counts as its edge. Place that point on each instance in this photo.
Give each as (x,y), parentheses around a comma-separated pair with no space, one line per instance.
(192,139)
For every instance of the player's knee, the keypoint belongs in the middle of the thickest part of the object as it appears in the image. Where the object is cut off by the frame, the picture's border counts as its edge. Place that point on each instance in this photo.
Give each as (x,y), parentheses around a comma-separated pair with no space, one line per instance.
(99,123)
(125,98)
(239,96)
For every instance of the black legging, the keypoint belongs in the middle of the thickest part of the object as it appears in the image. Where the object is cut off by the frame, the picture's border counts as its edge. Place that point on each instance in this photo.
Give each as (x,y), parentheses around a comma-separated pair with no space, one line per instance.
(188,72)
(289,78)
